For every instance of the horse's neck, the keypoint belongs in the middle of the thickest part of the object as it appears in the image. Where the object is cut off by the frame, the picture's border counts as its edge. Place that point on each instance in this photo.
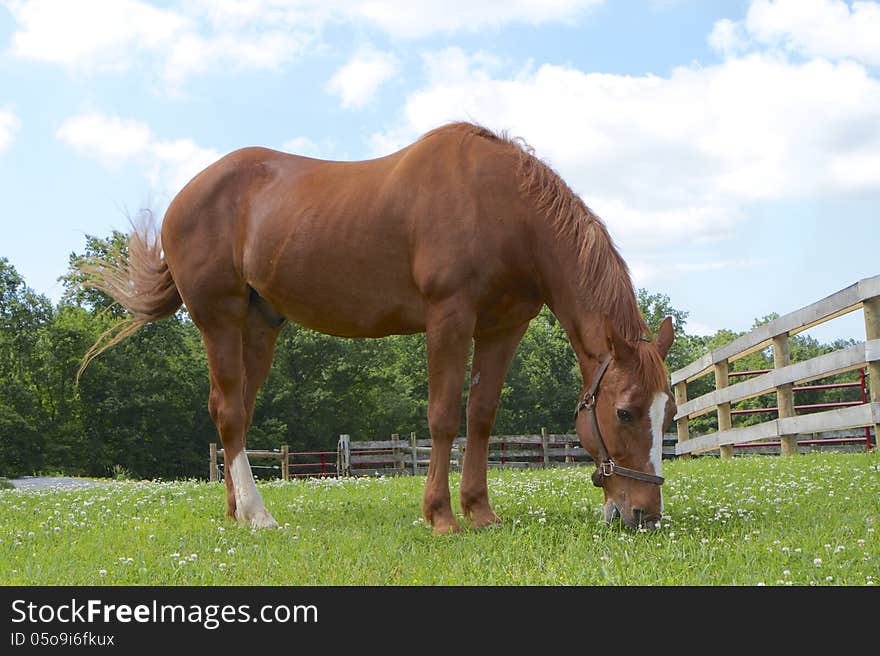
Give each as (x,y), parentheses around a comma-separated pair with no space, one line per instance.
(581,310)
(586,333)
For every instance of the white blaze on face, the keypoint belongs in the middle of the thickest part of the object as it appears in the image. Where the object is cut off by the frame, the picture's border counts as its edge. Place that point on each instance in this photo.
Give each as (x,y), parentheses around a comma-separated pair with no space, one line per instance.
(656,415)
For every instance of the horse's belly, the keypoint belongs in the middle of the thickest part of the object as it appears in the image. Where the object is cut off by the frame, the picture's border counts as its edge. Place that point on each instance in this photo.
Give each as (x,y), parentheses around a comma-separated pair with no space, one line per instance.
(359,305)
(358,322)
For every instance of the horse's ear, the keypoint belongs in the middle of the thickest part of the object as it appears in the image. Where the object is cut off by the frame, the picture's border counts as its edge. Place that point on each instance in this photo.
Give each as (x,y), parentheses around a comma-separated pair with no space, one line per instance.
(620,349)
(665,336)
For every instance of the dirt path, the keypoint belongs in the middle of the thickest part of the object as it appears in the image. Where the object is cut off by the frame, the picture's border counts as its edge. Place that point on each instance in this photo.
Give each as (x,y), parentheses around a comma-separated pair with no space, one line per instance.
(52,482)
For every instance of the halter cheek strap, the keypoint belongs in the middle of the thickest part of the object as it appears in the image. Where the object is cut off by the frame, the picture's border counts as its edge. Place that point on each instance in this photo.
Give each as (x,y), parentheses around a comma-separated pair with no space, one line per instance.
(605,466)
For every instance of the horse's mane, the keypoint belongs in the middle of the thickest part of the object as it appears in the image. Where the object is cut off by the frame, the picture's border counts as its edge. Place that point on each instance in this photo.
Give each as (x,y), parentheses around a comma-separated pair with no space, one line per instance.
(603,275)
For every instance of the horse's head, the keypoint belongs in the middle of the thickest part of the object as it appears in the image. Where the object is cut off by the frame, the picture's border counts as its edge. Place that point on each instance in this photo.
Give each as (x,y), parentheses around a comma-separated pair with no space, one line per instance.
(628,402)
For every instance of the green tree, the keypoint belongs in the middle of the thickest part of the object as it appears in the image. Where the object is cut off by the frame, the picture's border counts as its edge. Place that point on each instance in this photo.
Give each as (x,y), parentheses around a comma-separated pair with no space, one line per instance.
(142,405)
(23,314)
(543,382)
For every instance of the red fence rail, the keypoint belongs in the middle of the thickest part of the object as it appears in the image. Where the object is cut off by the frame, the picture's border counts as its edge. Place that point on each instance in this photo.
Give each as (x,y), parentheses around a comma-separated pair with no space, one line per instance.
(862,384)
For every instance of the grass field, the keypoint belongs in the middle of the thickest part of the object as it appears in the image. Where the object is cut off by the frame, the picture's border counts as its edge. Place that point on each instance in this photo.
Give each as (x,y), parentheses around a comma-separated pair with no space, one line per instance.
(754,520)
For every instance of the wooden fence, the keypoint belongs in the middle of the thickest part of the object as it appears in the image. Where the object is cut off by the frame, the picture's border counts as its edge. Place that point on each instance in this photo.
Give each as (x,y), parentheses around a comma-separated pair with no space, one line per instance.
(411,455)
(865,296)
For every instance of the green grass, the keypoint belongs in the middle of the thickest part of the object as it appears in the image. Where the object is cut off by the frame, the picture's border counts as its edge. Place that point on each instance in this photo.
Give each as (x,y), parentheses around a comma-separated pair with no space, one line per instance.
(755,520)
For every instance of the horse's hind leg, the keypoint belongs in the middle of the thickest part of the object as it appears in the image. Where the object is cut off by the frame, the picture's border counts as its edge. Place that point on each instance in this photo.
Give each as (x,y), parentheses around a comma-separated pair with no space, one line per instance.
(491,360)
(228,404)
(261,332)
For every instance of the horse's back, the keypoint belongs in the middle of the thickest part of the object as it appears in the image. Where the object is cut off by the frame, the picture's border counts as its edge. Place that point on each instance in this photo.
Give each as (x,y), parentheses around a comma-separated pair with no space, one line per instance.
(346,248)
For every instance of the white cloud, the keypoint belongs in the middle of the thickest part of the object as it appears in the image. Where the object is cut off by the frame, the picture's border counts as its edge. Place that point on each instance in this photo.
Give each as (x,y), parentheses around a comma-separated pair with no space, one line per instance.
(697,328)
(101,33)
(114,141)
(670,162)
(659,266)
(107,138)
(193,53)
(9,125)
(193,36)
(728,37)
(831,29)
(174,163)
(419,18)
(358,80)
(302,146)
(117,34)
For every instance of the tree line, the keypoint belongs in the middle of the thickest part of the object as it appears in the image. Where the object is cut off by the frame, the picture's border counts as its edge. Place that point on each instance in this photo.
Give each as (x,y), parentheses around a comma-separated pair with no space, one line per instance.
(140,408)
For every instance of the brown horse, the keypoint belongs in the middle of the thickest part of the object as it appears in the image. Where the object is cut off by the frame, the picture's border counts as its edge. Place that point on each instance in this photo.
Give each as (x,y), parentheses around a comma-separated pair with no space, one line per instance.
(462,235)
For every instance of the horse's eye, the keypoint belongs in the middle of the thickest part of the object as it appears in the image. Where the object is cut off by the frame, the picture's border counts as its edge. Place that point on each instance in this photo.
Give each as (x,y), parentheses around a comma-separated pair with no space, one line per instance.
(624,415)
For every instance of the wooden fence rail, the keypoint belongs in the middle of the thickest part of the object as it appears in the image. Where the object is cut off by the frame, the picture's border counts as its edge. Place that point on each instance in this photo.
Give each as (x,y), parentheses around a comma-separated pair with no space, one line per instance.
(411,455)
(864,295)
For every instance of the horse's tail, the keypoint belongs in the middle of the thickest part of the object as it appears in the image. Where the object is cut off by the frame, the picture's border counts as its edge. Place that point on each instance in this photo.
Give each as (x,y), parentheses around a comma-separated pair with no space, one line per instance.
(139,280)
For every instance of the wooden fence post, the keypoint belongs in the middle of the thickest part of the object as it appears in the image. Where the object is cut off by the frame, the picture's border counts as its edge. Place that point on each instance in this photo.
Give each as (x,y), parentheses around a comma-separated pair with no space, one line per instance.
(395,451)
(784,393)
(456,458)
(681,397)
(415,454)
(724,421)
(212,464)
(871,308)
(285,471)
(545,445)
(343,456)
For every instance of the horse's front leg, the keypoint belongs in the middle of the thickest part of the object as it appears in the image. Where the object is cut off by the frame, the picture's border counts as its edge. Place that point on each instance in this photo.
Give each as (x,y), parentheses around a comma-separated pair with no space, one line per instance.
(449,331)
(492,356)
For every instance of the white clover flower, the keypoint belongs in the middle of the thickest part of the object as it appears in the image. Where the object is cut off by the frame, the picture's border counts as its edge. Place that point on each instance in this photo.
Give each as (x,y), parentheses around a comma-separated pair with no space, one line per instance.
(817,562)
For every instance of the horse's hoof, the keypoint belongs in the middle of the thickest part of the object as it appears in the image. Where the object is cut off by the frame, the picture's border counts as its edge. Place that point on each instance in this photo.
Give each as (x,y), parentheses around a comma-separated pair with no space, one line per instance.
(494,521)
(446,528)
(485,520)
(260,519)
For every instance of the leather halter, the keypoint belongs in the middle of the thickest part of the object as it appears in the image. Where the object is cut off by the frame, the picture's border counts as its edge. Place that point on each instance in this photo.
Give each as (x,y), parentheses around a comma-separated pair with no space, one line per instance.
(605,466)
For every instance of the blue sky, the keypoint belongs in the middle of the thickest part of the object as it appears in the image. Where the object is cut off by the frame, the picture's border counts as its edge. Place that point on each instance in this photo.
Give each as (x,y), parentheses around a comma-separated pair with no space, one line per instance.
(732,148)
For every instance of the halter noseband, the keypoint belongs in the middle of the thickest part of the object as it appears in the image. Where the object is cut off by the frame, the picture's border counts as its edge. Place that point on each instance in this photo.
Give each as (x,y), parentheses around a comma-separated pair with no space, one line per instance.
(605,466)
